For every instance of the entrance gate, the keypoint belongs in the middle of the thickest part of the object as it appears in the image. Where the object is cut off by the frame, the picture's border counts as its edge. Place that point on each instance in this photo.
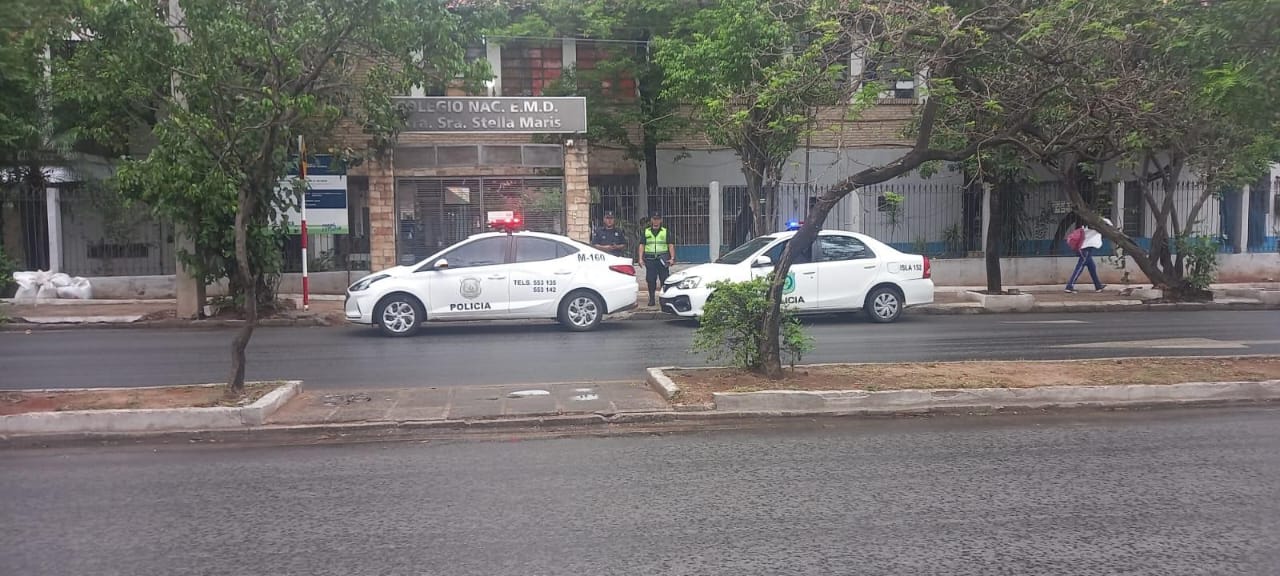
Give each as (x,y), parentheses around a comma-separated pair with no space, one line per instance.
(432,213)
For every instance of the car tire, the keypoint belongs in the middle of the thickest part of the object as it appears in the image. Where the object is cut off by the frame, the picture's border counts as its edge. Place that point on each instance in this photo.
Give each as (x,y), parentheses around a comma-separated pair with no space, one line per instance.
(581,311)
(883,305)
(399,315)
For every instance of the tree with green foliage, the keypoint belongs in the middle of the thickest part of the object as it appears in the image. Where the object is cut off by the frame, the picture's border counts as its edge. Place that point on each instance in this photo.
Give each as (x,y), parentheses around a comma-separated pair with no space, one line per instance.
(248,78)
(1165,91)
(754,73)
(32,140)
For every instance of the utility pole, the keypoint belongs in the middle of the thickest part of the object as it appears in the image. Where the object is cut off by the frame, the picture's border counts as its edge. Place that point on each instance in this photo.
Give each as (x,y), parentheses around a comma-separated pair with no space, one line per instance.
(189,290)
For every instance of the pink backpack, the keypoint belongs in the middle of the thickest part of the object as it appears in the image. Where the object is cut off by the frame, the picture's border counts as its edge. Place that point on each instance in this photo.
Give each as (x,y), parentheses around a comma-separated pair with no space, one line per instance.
(1075,240)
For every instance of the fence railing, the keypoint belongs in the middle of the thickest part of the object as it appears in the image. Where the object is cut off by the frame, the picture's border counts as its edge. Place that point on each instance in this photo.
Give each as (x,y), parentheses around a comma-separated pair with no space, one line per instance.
(101,234)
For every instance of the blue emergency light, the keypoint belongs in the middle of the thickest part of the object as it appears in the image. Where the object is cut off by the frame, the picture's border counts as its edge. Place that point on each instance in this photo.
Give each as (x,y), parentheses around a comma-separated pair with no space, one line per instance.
(793,225)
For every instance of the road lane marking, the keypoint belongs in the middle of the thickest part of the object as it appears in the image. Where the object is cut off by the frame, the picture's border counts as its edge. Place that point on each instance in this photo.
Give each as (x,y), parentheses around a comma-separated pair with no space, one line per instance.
(1165,344)
(527,393)
(1045,322)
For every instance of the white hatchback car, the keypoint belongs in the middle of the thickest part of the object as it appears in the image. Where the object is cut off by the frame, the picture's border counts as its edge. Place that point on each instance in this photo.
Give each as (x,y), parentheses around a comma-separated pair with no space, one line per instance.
(841,272)
(498,276)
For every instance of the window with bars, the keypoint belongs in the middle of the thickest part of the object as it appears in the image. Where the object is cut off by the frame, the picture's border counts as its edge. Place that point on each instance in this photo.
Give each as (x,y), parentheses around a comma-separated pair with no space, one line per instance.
(528,69)
(898,84)
(1134,212)
(615,83)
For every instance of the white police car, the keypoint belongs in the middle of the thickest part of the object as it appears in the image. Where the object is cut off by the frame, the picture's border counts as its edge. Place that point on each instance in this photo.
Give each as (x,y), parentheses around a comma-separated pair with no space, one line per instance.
(841,272)
(503,275)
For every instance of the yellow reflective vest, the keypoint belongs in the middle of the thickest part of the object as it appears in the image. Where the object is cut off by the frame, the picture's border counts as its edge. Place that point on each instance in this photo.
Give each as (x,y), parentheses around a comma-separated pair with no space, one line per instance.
(655,243)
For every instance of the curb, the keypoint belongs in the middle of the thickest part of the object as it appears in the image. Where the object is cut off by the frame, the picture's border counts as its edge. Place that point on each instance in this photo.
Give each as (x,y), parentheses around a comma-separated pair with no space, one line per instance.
(80,422)
(989,399)
(837,402)
(647,423)
(663,385)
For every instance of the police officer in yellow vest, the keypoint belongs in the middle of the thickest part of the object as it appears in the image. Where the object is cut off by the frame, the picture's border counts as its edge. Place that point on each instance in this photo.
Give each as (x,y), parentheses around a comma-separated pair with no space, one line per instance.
(657,253)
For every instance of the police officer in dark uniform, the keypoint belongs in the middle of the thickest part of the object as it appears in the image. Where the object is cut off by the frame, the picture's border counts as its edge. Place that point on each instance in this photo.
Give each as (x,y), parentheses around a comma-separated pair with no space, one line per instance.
(657,253)
(610,239)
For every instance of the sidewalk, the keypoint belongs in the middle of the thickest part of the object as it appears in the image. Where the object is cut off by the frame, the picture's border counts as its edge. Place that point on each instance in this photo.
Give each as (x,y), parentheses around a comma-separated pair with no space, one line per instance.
(158,313)
(468,403)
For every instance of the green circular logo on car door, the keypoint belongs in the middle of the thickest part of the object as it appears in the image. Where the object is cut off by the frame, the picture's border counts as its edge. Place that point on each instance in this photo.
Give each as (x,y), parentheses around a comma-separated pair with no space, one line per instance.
(789,285)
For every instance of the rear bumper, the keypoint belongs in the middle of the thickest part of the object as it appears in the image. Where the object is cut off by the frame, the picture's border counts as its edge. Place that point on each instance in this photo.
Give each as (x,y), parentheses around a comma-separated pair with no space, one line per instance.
(621,298)
(917,292)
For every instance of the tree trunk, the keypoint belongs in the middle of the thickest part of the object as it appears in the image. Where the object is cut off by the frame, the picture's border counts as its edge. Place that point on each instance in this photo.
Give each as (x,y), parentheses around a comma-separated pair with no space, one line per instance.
(770,347)
(995,231)
(755,186)
(244,218)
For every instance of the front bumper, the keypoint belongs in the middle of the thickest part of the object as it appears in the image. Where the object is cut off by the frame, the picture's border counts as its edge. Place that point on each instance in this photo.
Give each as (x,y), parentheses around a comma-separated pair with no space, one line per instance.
(358,308)
(683,303)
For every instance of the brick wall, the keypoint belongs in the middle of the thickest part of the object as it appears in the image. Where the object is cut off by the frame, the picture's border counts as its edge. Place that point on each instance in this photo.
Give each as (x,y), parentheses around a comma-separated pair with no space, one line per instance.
(382,216)
(577,193)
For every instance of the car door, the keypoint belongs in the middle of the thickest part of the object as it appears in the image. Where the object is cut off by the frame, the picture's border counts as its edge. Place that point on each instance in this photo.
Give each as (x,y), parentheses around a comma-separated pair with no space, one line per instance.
(849,268)
(801,288)
(475,283)
(540,274)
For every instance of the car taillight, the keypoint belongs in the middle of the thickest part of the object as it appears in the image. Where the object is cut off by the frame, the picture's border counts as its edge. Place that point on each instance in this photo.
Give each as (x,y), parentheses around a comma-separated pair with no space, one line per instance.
(627,269)
(928,270)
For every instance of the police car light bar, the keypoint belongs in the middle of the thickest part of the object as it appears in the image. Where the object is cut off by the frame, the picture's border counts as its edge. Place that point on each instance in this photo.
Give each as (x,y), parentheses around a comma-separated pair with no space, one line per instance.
(506,221)
(794,225)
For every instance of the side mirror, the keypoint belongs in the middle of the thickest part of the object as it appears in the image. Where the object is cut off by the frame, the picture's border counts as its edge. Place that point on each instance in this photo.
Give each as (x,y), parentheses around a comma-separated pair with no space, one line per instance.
(441,264)
(762,262)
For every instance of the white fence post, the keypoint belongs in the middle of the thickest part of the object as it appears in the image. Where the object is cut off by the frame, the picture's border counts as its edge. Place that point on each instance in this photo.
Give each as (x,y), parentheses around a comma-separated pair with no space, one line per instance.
(855,210)
(1242,233)
(1117,206)
(716,215)
(53,212)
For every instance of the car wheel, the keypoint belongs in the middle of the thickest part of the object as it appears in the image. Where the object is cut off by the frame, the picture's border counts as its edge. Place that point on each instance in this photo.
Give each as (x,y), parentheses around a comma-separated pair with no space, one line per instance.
(399,315)
(581,311)
(883,305)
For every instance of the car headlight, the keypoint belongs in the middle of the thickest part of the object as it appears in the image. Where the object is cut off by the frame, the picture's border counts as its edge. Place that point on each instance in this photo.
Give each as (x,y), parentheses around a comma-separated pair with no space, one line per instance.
(689,283)
(365,283)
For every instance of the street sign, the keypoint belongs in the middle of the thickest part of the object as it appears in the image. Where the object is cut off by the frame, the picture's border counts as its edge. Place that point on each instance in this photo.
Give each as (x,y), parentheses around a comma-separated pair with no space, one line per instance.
(457,114)
(326,199)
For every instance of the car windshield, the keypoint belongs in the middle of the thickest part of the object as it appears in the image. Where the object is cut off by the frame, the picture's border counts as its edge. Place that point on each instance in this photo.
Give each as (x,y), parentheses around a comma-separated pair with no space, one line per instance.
(740,254)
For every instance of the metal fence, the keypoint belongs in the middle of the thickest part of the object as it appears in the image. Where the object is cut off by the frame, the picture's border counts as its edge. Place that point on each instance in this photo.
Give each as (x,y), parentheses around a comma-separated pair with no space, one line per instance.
(432,213)
(24,227)
(102,234)
(685,213)
(933,219)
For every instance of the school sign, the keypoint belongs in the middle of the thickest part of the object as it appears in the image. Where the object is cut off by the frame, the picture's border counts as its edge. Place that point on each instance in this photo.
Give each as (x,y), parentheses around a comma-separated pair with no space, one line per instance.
(565,115)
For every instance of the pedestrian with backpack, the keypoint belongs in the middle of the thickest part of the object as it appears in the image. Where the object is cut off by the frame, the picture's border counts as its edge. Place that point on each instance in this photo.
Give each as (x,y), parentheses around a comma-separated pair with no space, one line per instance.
(1085,241)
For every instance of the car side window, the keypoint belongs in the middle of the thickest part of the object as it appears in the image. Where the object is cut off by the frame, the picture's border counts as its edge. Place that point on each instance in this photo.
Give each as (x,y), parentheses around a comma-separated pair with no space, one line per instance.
(563,250)
(530,249)
(840,248)
(775,254)
(485,252)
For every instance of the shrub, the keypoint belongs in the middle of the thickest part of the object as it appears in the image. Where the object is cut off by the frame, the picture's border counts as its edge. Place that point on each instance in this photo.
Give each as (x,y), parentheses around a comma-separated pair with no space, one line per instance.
(1201,253)
(7,268)
(732,321)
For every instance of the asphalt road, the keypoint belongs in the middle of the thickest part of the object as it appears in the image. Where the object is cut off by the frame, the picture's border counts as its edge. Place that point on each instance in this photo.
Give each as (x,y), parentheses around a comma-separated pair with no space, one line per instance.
(472,354)
(1154,493)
